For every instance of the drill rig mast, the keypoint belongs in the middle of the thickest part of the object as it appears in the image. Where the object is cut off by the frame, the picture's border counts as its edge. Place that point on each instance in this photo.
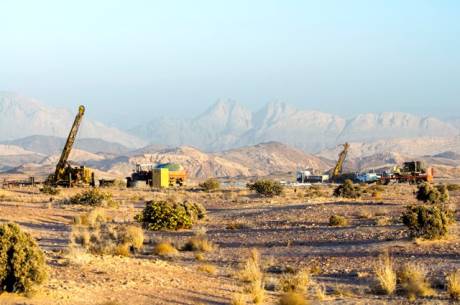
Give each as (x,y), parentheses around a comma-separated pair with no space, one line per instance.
(339,166)
(65,174)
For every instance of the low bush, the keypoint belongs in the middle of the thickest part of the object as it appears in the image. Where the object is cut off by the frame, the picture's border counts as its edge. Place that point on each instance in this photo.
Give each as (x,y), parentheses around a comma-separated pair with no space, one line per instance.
(164,215)
(49,190)
(412,279)
(429,222)
(210,184)
(453,285)
(93,197)
(267,188)
(348,190)
(429,193)
(22,263)
(338,221)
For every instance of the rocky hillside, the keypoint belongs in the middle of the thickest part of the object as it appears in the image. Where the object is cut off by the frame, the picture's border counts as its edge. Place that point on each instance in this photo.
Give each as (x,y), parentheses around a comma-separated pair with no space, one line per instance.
(228,125)
(22,116)
(259,160)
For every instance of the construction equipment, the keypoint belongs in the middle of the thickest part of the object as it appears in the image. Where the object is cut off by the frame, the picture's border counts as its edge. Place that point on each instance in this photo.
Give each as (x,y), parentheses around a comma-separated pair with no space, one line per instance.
(410,172)
(307,176)
(157,175)
(336,173)
(367,177)
(65,174)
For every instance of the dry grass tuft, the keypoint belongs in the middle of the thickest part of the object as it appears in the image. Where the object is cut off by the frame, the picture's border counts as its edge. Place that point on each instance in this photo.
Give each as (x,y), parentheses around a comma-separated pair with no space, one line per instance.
(385,274)
(122,249)
(238,299)
(207,268)
(453,285)
(292,298)
(413,281)
(76,256)
(133,236)
(165,249)
(319,291)
(251,271)
(297,282)
(338,221)
(199,243)
(199,256)
(257,292)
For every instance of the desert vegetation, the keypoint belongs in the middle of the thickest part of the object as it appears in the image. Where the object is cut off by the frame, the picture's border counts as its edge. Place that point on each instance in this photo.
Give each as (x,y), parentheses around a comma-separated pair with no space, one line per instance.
(265,187)
(303,246)
(348,190)
(92,197)
(22,263)
(210,184)
(433,194)
(429,222)
(166,215)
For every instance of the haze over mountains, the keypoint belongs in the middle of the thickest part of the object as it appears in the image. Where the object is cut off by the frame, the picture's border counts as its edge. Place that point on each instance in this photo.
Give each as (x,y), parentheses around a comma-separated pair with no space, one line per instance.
(22,116)
(228,124)
(225,139)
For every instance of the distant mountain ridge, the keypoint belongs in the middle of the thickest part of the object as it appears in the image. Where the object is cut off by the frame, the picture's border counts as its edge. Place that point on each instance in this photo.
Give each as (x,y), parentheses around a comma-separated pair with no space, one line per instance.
(26,122)
(228,125)
(22,116)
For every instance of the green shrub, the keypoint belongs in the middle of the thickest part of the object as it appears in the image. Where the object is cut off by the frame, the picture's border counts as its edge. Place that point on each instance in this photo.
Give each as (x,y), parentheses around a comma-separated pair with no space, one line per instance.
(338,221)
(426,192)
(429,222)
(22,263)
(265,187)
(348,190)
(210,184)
(93,197)
(46,189)
(164,215)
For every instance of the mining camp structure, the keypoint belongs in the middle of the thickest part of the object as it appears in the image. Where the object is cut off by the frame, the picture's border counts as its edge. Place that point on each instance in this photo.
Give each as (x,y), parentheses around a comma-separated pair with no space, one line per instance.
(163,175)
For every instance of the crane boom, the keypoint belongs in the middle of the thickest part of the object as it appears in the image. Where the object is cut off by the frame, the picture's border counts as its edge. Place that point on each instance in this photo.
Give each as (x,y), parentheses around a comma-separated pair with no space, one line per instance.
(338,167)
(60,167)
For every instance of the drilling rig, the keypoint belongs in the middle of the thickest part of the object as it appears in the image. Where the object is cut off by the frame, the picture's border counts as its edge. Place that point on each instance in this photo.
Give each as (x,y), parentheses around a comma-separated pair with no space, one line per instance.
(336,174)
(66,174)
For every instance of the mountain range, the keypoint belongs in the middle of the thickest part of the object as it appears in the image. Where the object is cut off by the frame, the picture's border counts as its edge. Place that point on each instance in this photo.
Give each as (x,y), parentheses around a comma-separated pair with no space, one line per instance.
(228,124)
(22,116)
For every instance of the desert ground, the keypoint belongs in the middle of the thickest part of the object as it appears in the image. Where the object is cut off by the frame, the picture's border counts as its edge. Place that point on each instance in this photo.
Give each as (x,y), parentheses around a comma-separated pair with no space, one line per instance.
(290,231)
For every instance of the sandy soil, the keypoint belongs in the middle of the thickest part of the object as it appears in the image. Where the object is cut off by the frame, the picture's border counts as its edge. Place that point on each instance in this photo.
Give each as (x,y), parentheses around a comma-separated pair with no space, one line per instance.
(290,231)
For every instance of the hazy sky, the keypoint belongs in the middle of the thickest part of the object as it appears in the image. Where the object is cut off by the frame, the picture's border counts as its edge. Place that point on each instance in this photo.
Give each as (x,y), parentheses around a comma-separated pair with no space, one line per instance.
(129,61)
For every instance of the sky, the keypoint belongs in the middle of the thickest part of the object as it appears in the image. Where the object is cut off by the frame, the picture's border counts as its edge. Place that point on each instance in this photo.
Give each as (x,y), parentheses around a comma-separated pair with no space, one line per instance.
(132,61)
